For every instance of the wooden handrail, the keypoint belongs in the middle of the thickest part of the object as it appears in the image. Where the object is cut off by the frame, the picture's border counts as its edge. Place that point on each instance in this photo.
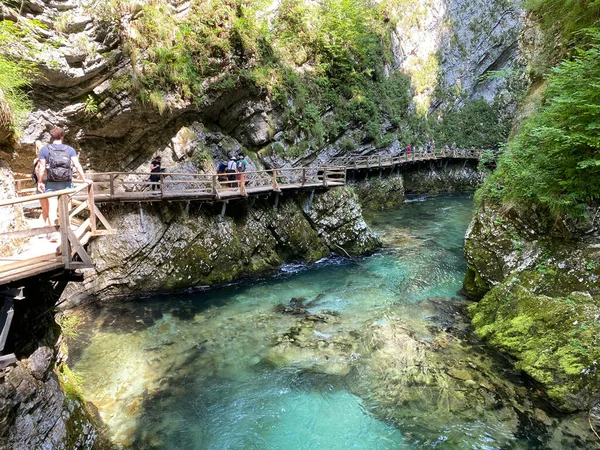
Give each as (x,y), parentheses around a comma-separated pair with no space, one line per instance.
(16,200)
(75,233)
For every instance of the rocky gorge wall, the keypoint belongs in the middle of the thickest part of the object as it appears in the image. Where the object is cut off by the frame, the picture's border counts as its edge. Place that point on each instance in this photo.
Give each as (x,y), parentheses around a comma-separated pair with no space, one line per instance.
(40,403)
(380,192)
(164,248)
(538,281)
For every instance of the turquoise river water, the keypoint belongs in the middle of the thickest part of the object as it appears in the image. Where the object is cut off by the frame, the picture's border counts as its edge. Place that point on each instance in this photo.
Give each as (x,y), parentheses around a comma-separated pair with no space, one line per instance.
(367,353)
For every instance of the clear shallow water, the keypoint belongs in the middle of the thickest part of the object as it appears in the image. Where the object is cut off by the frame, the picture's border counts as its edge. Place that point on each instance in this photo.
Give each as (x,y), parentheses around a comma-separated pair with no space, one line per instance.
(371,353)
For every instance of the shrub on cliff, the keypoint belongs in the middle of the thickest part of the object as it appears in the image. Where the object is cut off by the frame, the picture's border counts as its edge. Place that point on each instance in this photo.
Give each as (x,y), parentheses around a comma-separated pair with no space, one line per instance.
(15,74)
(554,160)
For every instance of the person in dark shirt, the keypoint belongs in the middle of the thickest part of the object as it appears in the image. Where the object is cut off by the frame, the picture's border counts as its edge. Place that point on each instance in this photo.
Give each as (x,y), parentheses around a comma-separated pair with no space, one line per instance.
(155,170)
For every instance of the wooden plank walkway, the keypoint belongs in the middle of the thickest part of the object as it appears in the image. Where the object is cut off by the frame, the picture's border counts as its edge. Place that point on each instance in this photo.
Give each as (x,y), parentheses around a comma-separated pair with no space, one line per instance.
(78,210)
(82,222)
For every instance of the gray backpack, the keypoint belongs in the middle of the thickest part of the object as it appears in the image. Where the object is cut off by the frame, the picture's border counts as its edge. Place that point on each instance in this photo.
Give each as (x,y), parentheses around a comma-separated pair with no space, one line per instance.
(59,163)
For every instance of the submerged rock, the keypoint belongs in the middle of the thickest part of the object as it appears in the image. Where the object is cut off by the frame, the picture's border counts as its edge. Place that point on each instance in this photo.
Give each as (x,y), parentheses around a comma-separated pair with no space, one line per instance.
(317,343)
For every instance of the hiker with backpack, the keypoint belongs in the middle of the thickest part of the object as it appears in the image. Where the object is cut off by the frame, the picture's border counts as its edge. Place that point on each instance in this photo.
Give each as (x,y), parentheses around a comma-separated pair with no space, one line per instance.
(231,170)
(55,166)
(241,165)
(221,168)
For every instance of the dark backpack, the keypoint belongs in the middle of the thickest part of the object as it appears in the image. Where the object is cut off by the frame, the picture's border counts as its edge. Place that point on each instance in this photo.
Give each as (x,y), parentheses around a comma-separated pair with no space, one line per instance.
(221,167)
(59,163)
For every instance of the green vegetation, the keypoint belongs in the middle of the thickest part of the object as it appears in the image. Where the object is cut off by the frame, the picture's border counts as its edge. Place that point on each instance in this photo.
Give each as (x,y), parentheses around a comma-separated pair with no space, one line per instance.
(15,76)
(323,62)
(68,325)
(566,17)
(476,124)
(554,160)
(70,383)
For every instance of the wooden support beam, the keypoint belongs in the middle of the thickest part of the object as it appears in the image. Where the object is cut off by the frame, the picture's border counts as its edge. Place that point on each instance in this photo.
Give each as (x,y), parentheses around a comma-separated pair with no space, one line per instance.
(310,201)
(92,207)
(85,258)
(63,221)
(111,184)
(27,233)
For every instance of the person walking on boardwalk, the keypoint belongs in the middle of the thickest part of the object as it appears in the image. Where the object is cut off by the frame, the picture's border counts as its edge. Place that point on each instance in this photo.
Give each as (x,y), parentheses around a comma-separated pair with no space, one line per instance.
(155,170)
(44,201)
(241,165)
(231,170)
(221,168)
(55,166)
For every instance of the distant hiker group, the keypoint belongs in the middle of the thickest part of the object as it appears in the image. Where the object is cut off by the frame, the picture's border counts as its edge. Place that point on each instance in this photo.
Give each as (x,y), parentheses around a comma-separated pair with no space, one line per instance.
(412,149)
(233,170)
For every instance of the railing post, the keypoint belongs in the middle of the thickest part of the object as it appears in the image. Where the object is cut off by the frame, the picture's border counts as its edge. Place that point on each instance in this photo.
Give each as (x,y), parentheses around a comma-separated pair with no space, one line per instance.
(274,181)
(303,176)
(214,185)
(111,183)
(18,187)
(161,185)
(242,184)
(64,223)
(379,160)
(92,207)
(325,176)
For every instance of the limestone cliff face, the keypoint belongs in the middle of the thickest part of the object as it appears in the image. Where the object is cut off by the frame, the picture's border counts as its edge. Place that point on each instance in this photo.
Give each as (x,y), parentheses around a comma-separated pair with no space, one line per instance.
(450,46)
(11,217)
(446,46)
(539,280)
(160,248)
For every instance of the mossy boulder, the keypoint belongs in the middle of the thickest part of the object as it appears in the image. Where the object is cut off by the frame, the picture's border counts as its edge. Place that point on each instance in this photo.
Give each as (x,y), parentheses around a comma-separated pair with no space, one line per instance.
(553,340)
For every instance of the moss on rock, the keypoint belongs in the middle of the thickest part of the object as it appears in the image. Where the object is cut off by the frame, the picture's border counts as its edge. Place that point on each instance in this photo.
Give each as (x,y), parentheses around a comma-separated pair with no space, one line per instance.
(378,194)
(554,340)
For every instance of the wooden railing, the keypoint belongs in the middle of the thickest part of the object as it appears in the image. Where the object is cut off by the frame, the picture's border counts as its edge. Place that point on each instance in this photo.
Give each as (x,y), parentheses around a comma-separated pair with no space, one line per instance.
(379,161)
(78,221)
(136,186)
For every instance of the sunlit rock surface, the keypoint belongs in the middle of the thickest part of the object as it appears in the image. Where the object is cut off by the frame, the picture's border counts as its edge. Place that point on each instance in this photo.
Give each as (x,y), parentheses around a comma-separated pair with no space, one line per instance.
(36,411)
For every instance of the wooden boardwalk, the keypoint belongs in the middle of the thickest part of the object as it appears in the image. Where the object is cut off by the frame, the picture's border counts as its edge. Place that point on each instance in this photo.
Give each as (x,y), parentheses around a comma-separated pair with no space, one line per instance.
(79,213)
(137,187)
(83,221)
